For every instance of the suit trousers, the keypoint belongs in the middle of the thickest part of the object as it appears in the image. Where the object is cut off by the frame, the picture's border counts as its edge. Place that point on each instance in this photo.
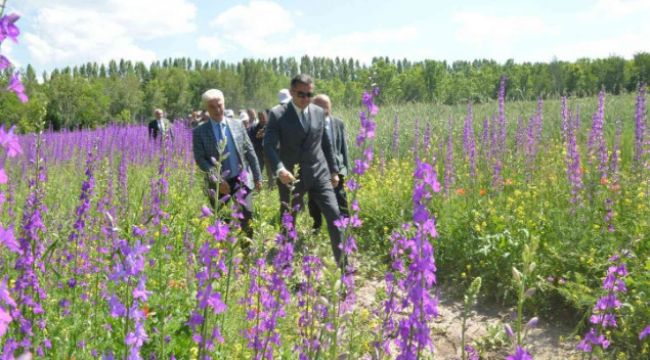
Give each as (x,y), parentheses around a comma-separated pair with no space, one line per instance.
(322,194)
(341,198)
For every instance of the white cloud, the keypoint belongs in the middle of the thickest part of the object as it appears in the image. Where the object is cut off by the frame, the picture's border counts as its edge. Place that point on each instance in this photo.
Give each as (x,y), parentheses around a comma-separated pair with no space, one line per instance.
(7,48)
(359,45)
(624,44)
(74,31)
(615,9)
(239,28)
(477,28)
(499,37)
(241,24)
(212,45)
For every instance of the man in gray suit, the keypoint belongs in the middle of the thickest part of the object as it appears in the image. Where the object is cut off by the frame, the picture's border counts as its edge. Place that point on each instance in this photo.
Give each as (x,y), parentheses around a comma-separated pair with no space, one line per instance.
(298,128)
(223,139)
(159,126)
(335,129)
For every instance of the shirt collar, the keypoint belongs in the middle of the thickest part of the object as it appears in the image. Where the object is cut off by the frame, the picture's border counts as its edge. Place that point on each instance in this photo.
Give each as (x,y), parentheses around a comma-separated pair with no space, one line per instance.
(215,122)
(305,111)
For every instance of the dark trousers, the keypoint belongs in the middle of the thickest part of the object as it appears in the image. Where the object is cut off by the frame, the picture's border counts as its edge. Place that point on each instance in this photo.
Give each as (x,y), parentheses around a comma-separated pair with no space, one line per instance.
(341,198)
(322,194)
(246,208)
(265,163)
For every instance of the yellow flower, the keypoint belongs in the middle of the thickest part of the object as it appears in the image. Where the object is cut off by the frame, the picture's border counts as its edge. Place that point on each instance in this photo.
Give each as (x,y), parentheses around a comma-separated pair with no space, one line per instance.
(364,314)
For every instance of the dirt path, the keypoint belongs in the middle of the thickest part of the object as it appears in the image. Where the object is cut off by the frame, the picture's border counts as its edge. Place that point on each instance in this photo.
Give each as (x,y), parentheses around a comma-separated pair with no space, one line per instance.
(485,324)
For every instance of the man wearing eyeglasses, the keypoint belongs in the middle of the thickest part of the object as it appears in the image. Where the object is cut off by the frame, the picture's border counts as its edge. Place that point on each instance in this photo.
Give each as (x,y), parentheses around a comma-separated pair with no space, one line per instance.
(298,127)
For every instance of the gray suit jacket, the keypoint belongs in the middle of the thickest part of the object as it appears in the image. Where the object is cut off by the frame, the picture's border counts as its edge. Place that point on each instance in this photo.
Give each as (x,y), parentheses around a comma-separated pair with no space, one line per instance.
(340,144)
(311,149)
(204,146)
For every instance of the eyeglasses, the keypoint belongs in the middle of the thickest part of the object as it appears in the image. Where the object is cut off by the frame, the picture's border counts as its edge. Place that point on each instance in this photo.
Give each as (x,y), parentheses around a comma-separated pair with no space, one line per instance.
(304,95)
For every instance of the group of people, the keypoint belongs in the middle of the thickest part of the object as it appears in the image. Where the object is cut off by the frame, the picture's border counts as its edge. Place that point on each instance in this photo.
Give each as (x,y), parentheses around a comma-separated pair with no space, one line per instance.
(299,142)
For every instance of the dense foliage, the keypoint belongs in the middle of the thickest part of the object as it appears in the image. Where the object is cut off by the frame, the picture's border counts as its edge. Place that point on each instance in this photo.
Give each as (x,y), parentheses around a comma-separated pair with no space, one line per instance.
(94,94)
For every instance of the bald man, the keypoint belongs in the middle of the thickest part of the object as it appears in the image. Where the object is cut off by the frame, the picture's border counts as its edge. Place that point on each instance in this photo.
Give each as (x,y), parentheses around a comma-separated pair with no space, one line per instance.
(159,125)
(335,130)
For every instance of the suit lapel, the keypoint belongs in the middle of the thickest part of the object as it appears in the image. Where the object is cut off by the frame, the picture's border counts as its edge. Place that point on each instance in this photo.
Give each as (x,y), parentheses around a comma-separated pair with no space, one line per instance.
(211,139)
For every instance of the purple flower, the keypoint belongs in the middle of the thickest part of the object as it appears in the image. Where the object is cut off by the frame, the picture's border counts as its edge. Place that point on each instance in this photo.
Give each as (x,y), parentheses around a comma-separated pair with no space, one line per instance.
(10,142)
(139,231)
(5,320)
(640,127)
(472,354)
(115,307)
(206,211)
(645,332)
(219,230)
(604,315)
(4,62)
(395,139)
(8,28)
(469,141)
(137,337)
(449,160)
(412,332)
(140,292)
(520,354)
(16,86)
(8,239)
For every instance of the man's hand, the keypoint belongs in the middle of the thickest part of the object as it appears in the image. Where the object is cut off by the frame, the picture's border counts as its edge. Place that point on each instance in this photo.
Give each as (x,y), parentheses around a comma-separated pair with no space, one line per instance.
(260,133)
(224,188)
(286,177)
(258,185)
(335,180)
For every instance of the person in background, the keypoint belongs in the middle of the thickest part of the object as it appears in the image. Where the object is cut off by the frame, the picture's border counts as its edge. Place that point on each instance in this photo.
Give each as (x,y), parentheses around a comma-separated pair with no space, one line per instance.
(256,134)
(159,126)
(245,120)
(335,129)
(284,96)
(252,117)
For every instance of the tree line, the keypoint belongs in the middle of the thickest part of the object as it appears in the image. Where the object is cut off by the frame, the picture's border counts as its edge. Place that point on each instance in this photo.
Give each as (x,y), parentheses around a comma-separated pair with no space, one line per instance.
(94,94)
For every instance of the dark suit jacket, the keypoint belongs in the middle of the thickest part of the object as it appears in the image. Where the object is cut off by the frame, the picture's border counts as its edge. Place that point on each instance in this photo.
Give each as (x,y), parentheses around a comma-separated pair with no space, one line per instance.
(311,149)
(154,130)
(204,146)
(340,144)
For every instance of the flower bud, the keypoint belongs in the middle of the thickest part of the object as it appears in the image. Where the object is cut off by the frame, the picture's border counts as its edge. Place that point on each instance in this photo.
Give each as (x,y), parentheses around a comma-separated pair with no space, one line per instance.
(516,274)
(532,323)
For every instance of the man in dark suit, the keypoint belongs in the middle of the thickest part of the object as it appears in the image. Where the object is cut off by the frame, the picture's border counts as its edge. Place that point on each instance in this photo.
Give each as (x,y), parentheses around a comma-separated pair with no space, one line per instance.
(225,140)
(298,128)
(159,125)
(335,129)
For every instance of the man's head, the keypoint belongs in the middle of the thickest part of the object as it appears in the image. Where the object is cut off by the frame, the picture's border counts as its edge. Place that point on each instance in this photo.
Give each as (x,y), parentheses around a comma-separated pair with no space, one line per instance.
(158,113)
(252,115)
(262,117)
(323,101)
(243,117)
(302,90)
(214,103)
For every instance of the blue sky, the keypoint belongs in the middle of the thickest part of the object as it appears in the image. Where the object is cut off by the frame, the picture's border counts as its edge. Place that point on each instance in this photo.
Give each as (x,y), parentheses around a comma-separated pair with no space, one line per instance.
(58,33)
